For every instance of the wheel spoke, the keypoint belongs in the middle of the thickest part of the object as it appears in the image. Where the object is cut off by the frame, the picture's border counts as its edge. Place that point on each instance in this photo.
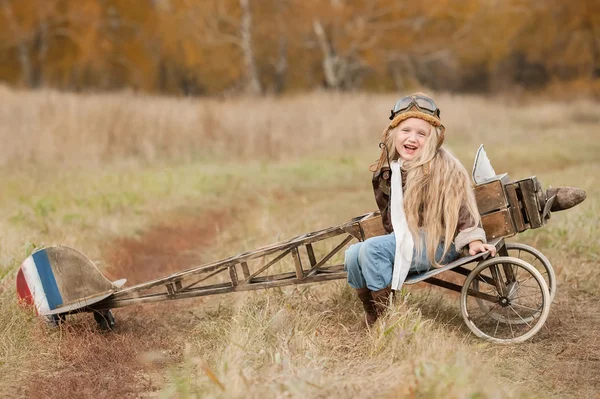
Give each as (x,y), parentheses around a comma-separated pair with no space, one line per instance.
(525,307)
(497,324)
(525,296)
(512,333)
(523,283)
(522,319)
(480,278)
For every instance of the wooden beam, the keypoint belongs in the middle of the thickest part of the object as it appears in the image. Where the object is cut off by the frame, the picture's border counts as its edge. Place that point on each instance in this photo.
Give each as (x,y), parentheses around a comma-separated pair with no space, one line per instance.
(311,254)
(530,200)
(233,275)
(516,207)
(458,288)
(297,264)
(203,278)
(213,290)
(245,269)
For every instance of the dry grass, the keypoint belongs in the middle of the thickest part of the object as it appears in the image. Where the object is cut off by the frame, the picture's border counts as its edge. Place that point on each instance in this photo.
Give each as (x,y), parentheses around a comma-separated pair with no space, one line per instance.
(49,128)
(271,168)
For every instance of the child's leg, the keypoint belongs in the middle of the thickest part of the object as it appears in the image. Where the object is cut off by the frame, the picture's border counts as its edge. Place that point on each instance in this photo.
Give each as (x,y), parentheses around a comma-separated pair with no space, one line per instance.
(376,259)
(352,266)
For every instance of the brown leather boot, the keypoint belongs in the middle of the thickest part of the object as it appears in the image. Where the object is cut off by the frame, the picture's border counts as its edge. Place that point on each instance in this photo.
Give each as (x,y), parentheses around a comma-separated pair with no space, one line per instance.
(381,300)
(364,294)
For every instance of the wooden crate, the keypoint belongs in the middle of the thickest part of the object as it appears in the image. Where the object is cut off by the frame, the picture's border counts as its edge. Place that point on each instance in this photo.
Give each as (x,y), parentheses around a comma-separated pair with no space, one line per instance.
(498,224)
(490,196)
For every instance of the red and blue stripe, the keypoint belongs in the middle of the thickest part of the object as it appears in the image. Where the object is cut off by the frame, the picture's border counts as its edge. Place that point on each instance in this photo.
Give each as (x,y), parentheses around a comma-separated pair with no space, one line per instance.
(36,283)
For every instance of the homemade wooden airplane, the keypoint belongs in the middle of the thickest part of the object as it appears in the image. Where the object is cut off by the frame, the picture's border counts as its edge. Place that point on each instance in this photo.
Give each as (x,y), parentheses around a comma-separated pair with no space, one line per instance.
(504,299)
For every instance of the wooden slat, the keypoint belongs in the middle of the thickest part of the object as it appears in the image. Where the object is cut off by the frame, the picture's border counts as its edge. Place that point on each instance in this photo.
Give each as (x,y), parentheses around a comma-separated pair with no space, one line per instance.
(215,289)
(516,207)
(204,278)
(354,230)
(233,275)
(490,196)
(245,269)
(297,264)
(530,200)
(311,254)
(372,227)
(498,224)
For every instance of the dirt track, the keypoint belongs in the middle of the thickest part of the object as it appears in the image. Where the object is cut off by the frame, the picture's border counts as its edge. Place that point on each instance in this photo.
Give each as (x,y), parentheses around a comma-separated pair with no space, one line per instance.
(564,357)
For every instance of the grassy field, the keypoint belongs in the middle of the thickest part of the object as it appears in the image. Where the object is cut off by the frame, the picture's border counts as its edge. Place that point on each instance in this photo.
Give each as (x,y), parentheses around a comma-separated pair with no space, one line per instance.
(123,178)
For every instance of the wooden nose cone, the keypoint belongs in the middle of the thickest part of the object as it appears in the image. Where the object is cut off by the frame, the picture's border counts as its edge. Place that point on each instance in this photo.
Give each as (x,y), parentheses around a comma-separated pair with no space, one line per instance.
(566,197)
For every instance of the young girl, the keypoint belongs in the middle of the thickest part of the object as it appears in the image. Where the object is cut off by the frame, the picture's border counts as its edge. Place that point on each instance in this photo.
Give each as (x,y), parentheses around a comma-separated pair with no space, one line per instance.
(427,207)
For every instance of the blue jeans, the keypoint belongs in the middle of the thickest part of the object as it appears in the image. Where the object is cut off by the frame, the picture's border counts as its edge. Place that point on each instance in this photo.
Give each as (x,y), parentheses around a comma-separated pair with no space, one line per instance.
(370,263)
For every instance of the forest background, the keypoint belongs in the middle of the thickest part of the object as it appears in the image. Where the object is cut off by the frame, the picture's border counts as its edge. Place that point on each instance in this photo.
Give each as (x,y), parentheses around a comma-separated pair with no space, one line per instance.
(223,47)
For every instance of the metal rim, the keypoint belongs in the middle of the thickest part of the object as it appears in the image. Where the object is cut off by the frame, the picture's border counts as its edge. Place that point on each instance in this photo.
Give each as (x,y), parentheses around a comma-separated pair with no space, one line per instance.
(534,305)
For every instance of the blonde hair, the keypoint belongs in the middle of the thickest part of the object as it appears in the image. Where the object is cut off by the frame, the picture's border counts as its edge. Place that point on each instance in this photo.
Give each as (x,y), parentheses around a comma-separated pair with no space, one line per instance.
(437,187)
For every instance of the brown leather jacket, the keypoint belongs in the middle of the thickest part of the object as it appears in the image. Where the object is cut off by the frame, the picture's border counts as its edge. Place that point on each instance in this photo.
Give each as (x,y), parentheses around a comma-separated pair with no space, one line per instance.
(466,230)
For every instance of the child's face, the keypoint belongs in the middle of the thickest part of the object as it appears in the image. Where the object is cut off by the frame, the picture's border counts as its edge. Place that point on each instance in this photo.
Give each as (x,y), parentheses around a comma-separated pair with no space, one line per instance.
(410,137)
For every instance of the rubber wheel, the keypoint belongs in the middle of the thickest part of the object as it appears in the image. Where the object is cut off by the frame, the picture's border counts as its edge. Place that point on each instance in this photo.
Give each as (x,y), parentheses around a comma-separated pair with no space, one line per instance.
(56,320)
(516,297)
(105,320)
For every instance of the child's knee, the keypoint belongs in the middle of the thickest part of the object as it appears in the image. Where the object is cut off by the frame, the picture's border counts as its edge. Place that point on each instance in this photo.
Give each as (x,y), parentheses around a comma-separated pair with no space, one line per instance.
(351,257)
(379,249)
(368,251)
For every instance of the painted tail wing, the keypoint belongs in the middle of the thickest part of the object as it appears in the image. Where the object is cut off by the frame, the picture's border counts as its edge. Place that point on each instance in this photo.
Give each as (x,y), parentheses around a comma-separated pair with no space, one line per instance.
(59,279)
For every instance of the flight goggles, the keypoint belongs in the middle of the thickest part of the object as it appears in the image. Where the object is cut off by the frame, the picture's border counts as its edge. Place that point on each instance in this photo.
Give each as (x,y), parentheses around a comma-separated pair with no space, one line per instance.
(423,104)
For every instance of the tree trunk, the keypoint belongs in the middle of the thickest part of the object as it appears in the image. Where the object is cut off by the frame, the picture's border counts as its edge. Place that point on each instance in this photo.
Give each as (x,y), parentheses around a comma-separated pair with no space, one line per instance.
(22,45)
(333,67)
(254,85)
(281,65)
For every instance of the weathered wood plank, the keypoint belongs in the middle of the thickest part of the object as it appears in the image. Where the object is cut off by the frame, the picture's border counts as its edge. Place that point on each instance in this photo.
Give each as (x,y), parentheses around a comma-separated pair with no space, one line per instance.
(233,275)
(354,230)
(498,224)
(297,263)
(532,207)
(215,289)
(490,196)
(311,254)
(516,207)
(245,270)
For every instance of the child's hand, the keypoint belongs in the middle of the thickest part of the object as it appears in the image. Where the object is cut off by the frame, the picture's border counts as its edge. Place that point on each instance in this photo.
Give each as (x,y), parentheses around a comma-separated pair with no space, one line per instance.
(477,246)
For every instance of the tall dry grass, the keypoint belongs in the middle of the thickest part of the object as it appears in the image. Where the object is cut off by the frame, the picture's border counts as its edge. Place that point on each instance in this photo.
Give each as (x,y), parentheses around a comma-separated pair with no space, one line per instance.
(48,128)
